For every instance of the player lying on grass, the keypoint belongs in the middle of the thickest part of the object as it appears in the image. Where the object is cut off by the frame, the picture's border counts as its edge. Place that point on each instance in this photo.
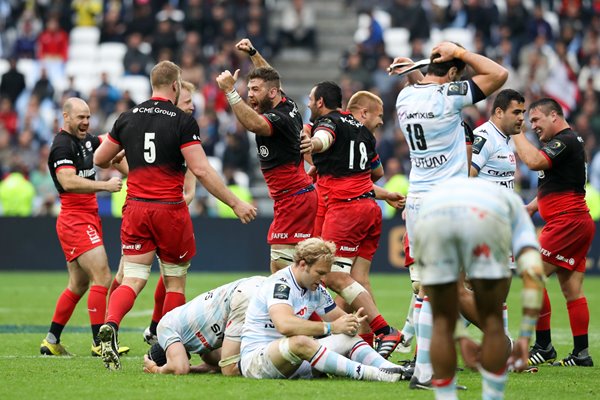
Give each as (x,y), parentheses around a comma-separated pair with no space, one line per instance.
(210,325)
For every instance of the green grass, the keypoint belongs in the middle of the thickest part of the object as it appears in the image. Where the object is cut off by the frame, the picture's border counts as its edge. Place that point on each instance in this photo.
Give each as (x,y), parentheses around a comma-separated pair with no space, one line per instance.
(27,302)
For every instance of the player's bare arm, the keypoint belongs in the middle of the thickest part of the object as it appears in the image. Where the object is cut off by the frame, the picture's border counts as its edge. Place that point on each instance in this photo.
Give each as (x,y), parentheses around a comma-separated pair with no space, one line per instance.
(394,199)
(197,162)
(189,187)
(73,183)
(245,45)
(532,207)
(249,118)
(529,154)
(107,151)
(489,76)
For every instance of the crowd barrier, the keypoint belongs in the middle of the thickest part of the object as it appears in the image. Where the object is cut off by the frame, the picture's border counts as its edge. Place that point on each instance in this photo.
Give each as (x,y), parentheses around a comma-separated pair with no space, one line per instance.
(223,245)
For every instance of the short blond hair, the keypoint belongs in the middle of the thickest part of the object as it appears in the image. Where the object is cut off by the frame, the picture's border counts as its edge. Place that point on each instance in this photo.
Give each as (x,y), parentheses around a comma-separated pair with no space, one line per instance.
(189,86)
(314,249)
(363,99)
(164,73)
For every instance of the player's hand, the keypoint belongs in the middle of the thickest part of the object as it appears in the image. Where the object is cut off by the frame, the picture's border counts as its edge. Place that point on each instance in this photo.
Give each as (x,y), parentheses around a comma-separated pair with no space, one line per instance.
(398,70)
(519,354)
(114,184)
(306,144)
(118,158)
(150,366)
(245,212)
(244,45)
(226,81)
(396,200)
(447,51)
(347,324)
(470,351)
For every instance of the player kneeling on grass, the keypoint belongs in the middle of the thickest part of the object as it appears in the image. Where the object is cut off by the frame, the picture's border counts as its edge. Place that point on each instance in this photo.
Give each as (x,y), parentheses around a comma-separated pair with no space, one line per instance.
(468,225)
(278,339)
(210,325)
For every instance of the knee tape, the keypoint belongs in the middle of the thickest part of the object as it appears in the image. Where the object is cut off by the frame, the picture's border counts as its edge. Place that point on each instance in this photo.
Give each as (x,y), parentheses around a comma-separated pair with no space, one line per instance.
(342,264)
(134,270)
(174,269)
(351,292)
(284,349)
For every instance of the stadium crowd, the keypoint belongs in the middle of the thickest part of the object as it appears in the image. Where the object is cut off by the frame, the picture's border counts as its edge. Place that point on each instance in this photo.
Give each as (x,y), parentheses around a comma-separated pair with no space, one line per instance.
(551,48)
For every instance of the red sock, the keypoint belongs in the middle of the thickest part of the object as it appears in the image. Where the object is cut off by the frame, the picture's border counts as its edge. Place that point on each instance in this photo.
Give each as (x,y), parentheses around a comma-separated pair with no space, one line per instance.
(378,323)
(368,337)
(115,284)
(172,300)
(120,303)
(65,305)
(97,304)
(579,316)
(159,300)
(543,323)
(315,317)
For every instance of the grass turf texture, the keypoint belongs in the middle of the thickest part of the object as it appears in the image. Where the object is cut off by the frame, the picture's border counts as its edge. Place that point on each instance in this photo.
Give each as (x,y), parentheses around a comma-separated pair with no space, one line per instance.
(27,302)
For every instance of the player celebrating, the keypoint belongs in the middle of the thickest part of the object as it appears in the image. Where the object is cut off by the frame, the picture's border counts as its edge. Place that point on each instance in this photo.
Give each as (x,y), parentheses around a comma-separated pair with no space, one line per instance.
(569,230)
(158,138)
(276,121)
(78,225)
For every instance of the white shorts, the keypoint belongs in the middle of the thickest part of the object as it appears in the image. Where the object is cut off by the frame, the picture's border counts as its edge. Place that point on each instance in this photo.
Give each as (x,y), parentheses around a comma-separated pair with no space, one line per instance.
(449,240)
(413,205)
(258,365)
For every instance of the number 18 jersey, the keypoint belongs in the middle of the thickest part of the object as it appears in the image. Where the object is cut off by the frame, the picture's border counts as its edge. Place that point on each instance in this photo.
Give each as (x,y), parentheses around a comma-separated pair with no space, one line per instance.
(429,116)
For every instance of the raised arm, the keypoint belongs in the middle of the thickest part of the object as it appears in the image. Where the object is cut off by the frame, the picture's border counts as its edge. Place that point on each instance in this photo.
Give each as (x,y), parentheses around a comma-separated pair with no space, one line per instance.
(245,45)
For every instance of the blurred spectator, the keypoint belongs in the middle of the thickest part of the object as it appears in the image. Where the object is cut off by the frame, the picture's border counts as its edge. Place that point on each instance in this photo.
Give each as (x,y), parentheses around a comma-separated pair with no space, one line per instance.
(357,71)
(191,71)
(561,84)
(196,13)
(539,26)
(192,46)
(8,116)
(120,108)
(5,150)
(411,15)
(16,194)
(236,153)
(70,90)
(394,181)
(87,12)
(43,89)
(142,22)
(33,122)
(26,38)
(53,42)
(515,23)
(46,195)
(135,61)
(13,82)
(164,37)
(373,46)
(242,192)
(108,94)
(112,28)
(297,26)
(27,150)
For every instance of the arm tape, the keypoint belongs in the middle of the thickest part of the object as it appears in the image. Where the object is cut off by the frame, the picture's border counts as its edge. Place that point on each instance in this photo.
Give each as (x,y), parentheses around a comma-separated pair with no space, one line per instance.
(229,360)
(324,137)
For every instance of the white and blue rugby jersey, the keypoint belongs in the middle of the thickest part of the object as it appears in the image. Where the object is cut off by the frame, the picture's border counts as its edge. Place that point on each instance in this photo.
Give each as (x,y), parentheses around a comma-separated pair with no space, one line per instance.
(280,288)
(492,155)
(486,196)
(429,116)
(203,322)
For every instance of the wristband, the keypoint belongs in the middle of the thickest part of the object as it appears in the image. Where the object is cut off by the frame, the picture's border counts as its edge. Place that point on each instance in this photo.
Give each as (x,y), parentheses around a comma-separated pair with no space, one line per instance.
(252,51)
(233,97)
(527,326)
(326,328)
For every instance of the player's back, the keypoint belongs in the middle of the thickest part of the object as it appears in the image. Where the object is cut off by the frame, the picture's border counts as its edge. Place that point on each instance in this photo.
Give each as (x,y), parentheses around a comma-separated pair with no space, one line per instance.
(153,134)
(429,116)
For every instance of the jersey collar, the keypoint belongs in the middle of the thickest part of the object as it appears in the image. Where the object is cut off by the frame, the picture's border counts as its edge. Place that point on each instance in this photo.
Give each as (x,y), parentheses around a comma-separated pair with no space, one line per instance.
(505,137)
(160,99)
(294,280)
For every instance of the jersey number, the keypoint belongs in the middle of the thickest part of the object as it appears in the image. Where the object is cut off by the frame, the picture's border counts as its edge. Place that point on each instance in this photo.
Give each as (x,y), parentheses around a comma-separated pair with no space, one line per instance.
(416,135)
(149,147)
(363,155)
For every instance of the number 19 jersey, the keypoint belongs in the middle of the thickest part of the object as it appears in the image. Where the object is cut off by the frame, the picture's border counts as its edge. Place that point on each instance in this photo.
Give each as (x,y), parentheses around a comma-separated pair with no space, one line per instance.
(429,116)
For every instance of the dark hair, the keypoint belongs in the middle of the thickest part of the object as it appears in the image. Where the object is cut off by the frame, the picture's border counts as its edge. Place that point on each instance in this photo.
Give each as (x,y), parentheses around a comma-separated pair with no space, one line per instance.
(504,97)
(267,74)
(331,94)
(441,69)
(546,106)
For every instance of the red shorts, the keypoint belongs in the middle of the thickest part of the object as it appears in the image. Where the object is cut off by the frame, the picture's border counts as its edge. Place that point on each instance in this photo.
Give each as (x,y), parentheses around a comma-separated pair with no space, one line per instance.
(293,218)
(566,240)
(408,260)
(78,232)
(354,227)
(166,228)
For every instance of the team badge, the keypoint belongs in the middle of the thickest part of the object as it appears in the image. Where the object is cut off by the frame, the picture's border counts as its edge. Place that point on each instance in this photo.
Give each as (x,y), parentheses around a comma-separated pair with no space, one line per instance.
(554,148)
(478,144)
(281,291)
(457,89)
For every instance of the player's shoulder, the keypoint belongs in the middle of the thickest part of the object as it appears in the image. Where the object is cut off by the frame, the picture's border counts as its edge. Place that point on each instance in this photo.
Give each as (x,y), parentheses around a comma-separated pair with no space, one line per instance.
(483,129)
